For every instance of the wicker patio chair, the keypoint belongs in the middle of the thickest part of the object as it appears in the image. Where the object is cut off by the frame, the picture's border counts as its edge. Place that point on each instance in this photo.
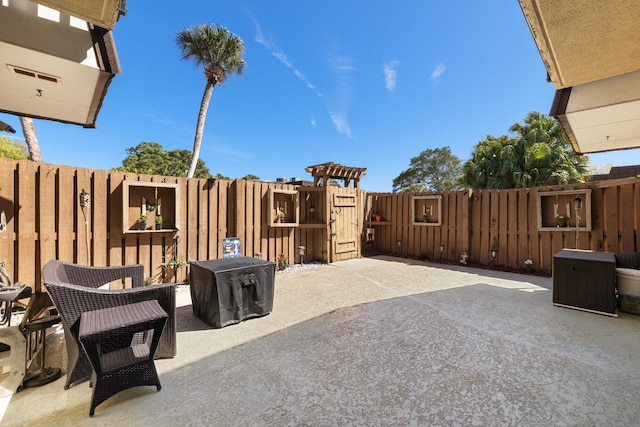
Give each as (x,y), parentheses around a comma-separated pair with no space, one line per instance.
(74,290)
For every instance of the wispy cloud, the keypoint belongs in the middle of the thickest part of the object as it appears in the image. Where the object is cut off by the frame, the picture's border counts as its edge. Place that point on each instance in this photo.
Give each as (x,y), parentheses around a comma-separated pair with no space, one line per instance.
(339,120)
(227,150)
(438,72)
(313,121)
(391,74)
(343,69)
(281,56)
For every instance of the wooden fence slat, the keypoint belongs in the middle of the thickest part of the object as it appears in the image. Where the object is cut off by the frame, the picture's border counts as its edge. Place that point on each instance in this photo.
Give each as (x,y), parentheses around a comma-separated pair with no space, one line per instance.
(66,212)
(83,218)
(475,213)
(450,208)
(627,219)
(192,202)
(26,200)
(256,218)
(178,246)
(8,168)
(116,237)
(511,244)
(462,241)
(213,229)
(100,212)
(610,200)
(522,230)
(47,219)
(202,228)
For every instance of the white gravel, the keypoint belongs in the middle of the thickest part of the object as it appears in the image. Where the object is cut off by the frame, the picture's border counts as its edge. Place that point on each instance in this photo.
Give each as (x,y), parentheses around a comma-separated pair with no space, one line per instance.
(292,268)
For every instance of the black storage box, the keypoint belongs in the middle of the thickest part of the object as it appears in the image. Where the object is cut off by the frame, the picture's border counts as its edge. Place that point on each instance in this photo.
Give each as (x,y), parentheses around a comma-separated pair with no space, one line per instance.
(585,280)
(229,290)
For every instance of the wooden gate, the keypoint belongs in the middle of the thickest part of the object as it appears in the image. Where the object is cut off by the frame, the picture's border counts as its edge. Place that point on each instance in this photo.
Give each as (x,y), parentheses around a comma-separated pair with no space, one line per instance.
(345,223)
(344,208)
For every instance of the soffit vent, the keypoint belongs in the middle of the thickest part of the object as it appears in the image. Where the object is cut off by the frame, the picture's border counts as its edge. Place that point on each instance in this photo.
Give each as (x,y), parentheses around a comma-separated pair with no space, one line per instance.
(35,74)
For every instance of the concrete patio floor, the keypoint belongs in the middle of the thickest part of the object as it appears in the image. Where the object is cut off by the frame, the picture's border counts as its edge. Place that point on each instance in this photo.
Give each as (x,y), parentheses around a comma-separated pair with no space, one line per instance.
(380,342)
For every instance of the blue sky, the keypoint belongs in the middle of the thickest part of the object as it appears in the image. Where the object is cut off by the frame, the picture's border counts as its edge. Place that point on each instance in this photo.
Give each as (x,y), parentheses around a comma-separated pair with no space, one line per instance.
(361,83)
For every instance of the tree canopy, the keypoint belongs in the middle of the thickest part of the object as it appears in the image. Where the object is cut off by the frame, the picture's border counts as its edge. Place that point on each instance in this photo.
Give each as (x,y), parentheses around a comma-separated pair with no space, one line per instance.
(219,52)
(537,154)
(13,149)
(151,158)
(433,170)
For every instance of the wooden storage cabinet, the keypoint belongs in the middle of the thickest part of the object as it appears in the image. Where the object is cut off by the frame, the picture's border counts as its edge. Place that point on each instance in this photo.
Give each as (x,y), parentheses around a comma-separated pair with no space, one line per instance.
(139,197)
(585,280)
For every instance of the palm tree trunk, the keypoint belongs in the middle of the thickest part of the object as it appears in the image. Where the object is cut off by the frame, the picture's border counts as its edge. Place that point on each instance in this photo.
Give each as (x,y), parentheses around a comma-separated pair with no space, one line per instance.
(31,139)
(202,116)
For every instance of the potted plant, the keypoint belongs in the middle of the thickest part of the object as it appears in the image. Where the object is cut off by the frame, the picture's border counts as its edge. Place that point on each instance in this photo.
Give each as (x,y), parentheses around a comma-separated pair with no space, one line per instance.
(425,217)
(282,261)
(158,222)
(281,216)
(143,221)
(148,281)
(561,221)
(528,264)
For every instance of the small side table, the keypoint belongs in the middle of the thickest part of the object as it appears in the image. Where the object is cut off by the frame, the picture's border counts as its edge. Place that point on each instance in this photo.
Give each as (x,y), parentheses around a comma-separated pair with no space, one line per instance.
(122,368)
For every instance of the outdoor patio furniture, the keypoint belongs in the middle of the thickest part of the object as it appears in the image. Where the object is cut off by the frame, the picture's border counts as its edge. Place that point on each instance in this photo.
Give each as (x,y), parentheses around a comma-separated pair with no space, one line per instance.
(9,294)
(74,290)
(229,290)
(131,366)
(26,356)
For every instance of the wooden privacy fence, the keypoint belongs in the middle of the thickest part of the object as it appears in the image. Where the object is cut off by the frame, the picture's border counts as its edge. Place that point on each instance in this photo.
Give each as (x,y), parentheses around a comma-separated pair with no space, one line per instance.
(515,222)
(45,220)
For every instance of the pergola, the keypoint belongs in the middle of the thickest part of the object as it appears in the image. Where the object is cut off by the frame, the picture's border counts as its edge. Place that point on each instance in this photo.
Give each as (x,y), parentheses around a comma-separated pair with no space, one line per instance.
(325,172)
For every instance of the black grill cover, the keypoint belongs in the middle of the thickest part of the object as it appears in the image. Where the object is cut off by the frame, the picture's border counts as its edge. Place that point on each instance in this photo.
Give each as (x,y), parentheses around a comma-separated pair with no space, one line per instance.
(229,290)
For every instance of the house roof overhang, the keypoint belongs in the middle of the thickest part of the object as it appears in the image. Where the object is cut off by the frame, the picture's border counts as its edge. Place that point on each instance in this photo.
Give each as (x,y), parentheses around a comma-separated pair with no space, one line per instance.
(591,51)
(102,13)
(56,68)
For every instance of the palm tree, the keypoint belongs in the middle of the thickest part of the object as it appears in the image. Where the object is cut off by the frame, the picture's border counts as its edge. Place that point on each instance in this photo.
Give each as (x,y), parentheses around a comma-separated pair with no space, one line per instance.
(538,154)
(31,139)
(220,53)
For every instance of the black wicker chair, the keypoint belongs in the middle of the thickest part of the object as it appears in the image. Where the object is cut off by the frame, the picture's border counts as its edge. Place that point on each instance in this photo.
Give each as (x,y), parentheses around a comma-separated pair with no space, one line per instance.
(74,290)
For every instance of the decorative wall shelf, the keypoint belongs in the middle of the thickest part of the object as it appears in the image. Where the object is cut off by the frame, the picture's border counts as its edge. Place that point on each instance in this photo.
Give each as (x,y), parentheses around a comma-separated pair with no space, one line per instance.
(153,199)
(284,208)
(556,208)
(427,210)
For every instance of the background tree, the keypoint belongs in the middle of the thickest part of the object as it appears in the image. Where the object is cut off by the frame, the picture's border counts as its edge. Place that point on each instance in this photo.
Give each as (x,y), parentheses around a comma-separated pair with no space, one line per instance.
(151,158)
(220,176)
(220,53)
(433,170)
(250,176)
(537,154)
(13,149)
